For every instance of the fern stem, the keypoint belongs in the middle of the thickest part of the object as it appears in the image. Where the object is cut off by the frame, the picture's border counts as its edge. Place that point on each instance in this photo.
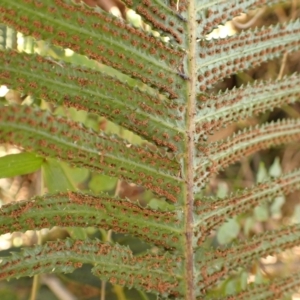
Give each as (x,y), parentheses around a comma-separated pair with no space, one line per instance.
(190,151)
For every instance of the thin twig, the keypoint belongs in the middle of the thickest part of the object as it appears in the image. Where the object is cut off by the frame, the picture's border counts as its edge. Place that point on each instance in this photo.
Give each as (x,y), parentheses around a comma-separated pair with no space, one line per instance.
(35,285)
(294,10)
(108,239)
(58,289)
(251,21)
(36,278)
(283,63)
(103,286)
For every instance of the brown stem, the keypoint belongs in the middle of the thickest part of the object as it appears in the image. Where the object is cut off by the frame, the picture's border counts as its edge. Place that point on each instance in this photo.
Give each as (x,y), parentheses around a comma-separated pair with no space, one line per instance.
(189,169)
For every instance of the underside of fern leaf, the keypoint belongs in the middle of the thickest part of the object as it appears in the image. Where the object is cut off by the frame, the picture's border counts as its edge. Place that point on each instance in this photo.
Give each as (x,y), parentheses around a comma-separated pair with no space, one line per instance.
(155,72)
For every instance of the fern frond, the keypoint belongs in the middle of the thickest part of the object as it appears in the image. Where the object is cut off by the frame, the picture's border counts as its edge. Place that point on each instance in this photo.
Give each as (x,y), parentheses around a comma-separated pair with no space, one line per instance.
(154,118)
(99,36)
(101,211)
(215,156)
(214,265)
(113,263)
(58,137)
(279,288)
(165,92)
(215,111)
(221,58)
(210,14)
(212,212)
(161,17)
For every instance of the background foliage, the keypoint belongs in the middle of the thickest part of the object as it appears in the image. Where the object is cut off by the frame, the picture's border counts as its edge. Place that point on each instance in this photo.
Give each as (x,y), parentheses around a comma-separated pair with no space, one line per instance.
(52,175)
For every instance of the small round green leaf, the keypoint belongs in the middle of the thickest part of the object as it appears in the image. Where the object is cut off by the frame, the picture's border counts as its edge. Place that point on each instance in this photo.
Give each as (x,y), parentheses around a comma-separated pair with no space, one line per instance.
(228,232)
(19,164)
